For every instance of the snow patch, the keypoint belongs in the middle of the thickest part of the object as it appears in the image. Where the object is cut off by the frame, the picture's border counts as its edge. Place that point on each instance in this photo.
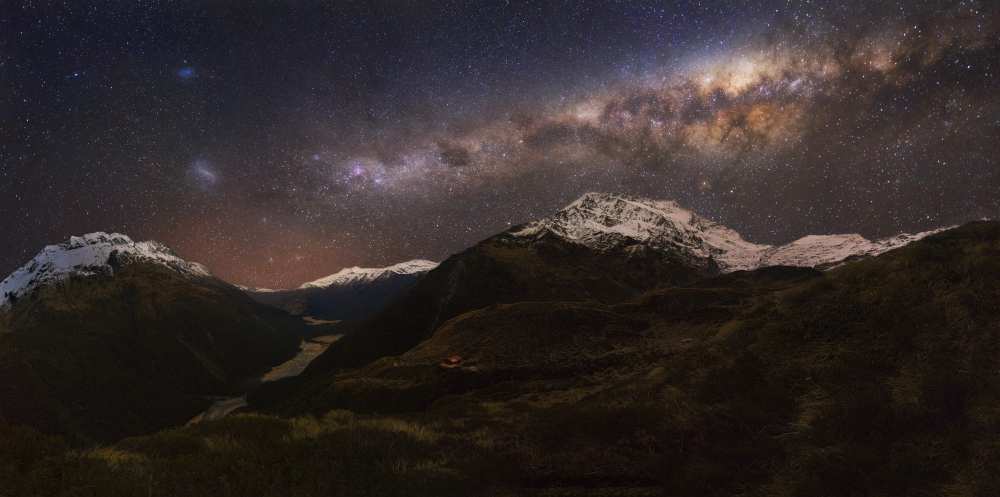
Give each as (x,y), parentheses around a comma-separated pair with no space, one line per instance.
(360,275)
(254,289)
(605,221)
(88,255)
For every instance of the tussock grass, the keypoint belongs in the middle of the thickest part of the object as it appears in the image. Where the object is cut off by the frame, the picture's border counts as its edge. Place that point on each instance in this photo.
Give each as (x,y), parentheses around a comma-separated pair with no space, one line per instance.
(337,454)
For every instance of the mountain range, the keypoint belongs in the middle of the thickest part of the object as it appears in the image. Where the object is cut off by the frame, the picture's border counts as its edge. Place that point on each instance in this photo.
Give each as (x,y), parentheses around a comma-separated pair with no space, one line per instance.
(622,346)
(597,221)
(875,377)
(350,294)
(606,222)
(602,247)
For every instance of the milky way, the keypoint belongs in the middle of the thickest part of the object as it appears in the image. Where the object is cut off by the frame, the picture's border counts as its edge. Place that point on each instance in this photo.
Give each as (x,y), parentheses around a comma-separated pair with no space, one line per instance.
(277,144)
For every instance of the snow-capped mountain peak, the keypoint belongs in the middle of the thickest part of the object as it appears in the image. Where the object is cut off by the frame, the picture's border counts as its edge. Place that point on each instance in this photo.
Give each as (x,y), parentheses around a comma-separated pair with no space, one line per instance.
(604,221)
(357,275)
(87,255)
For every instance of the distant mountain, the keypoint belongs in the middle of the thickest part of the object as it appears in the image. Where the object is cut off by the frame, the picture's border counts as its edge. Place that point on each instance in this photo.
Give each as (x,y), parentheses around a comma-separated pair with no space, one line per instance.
(607,222)
(604,222)
(364,275)
(603,247)
(350,294)
(103,337)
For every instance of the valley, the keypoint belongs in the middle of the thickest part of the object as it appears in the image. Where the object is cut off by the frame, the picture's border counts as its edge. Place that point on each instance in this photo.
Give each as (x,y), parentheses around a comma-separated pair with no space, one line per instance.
(482,248)
(621,347)
(309,349)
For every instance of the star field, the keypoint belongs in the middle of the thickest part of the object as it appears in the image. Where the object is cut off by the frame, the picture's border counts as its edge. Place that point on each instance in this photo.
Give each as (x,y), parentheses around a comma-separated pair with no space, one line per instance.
(277,143)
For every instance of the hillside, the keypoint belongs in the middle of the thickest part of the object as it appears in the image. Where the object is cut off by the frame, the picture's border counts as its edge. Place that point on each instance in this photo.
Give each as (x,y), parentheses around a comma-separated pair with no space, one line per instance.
(506,269)
(874,378)
(102,349)
(601,247)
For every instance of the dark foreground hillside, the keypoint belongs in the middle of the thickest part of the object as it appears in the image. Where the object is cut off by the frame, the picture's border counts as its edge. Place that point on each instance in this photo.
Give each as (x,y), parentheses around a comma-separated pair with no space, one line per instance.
(876,378)
(102,357)
(507,269)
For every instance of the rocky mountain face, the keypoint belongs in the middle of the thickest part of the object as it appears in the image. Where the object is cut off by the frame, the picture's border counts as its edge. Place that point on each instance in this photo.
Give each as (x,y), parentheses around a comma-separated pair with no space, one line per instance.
(350,294)
(607,222)
(103,337)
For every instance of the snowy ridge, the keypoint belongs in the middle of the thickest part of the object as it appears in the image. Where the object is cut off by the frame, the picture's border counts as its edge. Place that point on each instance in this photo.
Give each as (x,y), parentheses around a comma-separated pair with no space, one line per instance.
(828,250)
(604,221)
(88,255)
(359,275)
(254,289)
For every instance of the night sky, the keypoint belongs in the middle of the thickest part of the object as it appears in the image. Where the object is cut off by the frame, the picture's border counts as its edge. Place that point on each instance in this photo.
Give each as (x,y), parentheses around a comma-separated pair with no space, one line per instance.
(278,142)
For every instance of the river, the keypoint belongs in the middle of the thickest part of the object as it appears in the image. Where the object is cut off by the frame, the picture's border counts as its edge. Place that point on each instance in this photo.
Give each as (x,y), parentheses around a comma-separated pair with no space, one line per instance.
(308,350)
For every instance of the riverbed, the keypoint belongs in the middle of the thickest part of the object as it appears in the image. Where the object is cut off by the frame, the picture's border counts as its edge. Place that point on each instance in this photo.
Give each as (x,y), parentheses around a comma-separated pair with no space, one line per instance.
(308,350)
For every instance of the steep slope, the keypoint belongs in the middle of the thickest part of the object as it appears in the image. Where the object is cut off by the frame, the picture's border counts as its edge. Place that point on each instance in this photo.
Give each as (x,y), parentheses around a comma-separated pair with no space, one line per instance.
(601,247)
(100,349)
(350,294)
(874,378)
(511,268)
(607,222)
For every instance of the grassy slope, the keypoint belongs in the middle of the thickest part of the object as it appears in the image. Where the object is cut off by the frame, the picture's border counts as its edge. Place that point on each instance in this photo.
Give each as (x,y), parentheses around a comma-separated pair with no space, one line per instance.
(338,454)
(877,378)
(504,270)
